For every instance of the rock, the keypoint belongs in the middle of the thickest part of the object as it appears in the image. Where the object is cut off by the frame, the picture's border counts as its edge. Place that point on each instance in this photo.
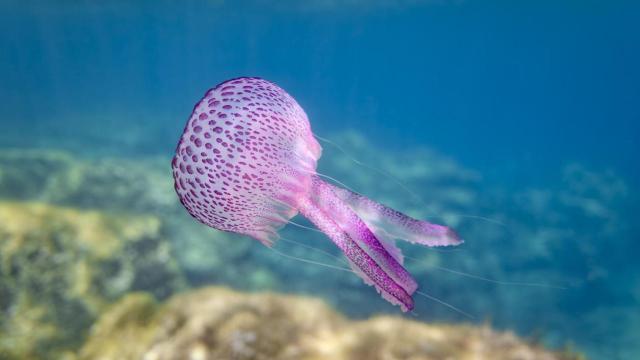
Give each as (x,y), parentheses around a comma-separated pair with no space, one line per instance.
(218,323)
(59,267)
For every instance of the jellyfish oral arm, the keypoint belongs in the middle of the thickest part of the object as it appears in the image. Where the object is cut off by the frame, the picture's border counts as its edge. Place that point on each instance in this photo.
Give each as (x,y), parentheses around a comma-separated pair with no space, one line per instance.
(396,225)
(367,255)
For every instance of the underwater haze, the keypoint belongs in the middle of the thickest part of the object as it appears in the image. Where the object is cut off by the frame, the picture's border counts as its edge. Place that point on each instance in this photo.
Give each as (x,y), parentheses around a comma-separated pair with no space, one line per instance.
(515,123)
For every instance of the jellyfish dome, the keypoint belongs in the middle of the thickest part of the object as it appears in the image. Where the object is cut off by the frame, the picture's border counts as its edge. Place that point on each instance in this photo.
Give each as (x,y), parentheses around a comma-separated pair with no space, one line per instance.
(246,163)
(245,157)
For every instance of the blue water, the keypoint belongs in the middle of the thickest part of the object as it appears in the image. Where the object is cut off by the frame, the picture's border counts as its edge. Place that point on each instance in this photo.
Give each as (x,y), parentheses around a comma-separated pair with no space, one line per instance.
(516,91)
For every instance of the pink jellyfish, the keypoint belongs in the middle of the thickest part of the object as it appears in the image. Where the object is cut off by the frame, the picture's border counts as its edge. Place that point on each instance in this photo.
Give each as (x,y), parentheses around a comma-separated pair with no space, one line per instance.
(246,163)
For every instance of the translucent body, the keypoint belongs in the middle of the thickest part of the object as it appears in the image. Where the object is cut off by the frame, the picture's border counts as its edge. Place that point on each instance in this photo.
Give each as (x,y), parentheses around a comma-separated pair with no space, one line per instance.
(246,163)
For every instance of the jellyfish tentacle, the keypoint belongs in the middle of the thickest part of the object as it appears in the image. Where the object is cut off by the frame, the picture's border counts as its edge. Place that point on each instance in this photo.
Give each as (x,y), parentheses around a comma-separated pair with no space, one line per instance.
(396,225)
(379,248)
(360,260)
(368,256)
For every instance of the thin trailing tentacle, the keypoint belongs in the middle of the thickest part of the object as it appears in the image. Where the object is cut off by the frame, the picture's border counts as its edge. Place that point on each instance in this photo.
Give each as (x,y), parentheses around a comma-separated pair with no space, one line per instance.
(315,249)
(309,261)
(398,182)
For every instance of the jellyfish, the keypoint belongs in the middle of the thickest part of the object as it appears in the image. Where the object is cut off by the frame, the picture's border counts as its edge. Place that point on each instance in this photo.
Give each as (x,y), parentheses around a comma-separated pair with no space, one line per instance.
(246,163)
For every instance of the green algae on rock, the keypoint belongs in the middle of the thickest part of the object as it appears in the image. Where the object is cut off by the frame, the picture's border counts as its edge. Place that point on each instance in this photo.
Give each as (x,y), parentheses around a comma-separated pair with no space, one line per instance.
(218,323)
(59,267)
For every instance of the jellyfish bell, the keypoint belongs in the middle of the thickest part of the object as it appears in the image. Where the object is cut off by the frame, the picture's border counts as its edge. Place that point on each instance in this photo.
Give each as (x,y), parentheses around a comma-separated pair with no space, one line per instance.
(246,155)
(246,163)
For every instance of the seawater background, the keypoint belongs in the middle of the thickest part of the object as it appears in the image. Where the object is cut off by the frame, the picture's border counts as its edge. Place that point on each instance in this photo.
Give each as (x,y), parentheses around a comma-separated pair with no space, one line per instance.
(526,113)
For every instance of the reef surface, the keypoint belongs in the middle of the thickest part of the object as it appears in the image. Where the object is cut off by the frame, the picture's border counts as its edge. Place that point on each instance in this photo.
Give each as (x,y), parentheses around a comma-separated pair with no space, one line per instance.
(60,267)
(219,323)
